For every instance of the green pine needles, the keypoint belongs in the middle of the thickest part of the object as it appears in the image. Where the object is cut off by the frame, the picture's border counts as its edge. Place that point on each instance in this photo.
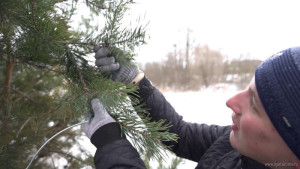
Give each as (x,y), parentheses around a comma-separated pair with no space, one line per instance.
(48,79)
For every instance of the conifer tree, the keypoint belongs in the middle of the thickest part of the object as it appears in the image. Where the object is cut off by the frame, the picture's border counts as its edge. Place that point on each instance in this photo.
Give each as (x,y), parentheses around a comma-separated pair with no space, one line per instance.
(47,81)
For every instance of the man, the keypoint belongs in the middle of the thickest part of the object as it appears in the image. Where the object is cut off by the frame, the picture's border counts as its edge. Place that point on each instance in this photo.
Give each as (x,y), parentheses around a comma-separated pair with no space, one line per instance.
(266,121)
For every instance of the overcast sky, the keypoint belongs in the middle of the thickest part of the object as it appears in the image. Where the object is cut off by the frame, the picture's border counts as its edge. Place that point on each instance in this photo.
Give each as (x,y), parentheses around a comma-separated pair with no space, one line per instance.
(258,28)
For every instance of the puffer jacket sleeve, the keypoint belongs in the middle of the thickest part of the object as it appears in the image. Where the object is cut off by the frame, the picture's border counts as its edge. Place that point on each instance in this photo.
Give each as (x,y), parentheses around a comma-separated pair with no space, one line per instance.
(194,139)
(118,155)
(114,151)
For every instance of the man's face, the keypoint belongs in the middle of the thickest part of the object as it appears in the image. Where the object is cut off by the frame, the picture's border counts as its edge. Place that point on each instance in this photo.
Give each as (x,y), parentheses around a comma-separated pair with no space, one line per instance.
(253,134)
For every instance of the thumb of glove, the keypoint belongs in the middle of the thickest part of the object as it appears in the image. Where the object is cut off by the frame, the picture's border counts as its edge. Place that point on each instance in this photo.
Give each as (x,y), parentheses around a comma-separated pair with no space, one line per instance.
(88,118)
(101,118)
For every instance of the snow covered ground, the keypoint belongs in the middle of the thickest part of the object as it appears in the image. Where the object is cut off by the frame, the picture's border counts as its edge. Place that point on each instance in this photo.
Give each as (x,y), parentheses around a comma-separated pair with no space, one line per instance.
(204,106)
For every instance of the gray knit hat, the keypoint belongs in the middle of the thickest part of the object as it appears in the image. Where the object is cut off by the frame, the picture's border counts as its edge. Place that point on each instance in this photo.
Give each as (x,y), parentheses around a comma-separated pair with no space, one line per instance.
(278,85)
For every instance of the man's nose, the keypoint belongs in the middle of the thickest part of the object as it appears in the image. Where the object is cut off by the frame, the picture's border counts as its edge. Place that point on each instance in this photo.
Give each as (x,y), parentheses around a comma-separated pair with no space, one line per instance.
(234,103)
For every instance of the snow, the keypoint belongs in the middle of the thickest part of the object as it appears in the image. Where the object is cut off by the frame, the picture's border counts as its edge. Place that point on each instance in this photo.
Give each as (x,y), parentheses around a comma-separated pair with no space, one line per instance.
(204,106)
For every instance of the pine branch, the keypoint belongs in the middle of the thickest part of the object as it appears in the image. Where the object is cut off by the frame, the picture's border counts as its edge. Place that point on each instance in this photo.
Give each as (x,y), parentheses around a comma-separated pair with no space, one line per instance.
(143,133)
(42,66)
(68,155)
(33,6)
(130,39)
(78,43)
(52,159)
(40,38)
(146,135)
(24,95)
(71,57)
(66,102)
(99,6)
(23,125)
(176,162)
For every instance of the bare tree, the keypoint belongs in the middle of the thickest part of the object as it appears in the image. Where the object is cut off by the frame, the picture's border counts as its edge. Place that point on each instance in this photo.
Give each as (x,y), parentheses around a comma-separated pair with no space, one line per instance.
(208,65)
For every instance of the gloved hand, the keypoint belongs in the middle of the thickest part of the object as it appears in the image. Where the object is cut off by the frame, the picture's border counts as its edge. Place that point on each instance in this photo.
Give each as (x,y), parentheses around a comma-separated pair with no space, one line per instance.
(101,118)
(124,73)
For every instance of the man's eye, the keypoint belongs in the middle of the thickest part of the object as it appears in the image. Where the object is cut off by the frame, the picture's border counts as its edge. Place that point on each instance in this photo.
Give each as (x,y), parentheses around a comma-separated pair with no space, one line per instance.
(252,104)
(253,107)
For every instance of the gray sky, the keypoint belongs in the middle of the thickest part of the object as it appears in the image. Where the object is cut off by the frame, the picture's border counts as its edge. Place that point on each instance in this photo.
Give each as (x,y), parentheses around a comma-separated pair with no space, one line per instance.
(258,28)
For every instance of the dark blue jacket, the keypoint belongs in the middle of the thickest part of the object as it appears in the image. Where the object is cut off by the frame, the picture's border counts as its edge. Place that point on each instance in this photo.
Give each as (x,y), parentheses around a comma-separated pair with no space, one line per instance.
(206,144)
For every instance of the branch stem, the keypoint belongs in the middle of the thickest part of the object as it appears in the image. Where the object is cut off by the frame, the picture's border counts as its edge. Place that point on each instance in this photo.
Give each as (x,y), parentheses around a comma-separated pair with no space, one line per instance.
(70,55)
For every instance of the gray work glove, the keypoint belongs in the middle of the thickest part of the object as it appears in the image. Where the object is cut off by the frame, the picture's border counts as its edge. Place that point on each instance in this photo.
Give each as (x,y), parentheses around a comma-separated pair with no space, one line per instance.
(101,118)
(121,73)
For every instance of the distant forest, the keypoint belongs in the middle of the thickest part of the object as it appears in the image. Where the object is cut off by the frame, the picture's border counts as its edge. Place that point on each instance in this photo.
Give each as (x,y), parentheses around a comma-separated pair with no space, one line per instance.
(201,68)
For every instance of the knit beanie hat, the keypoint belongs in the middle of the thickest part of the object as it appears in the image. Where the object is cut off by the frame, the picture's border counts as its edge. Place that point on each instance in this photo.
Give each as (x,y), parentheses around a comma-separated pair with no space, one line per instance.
(278,85)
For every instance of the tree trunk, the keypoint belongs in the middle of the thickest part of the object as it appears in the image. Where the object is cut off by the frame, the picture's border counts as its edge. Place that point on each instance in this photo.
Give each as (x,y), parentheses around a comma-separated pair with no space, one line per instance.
(8,72)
